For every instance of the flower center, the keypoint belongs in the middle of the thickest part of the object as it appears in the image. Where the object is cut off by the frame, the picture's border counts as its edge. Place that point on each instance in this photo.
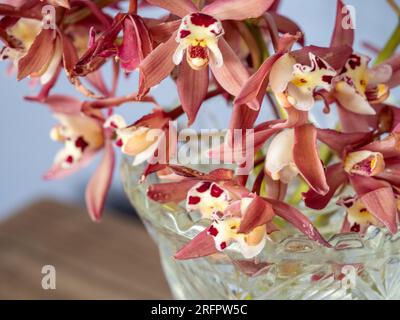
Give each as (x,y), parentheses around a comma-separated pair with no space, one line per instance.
(198,35)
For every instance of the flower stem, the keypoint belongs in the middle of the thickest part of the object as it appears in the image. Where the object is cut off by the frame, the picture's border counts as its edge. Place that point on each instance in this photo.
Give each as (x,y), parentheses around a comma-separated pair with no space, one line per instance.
(390,47)
(133,7)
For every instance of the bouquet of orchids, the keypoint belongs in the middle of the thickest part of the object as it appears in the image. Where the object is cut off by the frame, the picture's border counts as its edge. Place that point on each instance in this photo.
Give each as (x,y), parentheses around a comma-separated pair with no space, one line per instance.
(253,57)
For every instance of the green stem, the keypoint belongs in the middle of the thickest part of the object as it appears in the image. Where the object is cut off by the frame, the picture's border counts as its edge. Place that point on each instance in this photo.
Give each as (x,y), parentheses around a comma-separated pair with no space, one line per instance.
(390,47)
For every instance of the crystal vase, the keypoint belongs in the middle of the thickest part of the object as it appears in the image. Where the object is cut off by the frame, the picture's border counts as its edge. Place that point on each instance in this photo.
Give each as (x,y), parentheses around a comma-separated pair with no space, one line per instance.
(290,267)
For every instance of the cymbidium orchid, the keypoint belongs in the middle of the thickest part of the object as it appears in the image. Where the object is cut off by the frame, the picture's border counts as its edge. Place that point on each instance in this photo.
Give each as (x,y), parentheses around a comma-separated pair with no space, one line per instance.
(83,135)
(236,214)
(357,86)
(196,43)
(219,48)
(299,82)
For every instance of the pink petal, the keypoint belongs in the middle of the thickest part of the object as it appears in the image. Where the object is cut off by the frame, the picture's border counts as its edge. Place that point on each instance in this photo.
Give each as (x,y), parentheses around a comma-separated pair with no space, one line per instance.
(170,191)
(232,75)
(339,140)
(256,83)
(298,220)
(161,32)
(288,26)
(136,44)
(389,146)
(158,64)
(180,8)
(202,245)
(335,177)
(58,172)
(378,198)
(353,122)
(258,213)
(391,172)
(63,104)
(307,160)
(275,189)
(336,57)
(342,36)
(100,182)
(96,79)
(192,89)
(235,9)
(39,55)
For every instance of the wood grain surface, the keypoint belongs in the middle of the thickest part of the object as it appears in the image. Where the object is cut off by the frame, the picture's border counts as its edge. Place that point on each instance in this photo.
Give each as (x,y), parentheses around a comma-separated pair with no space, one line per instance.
(114,259)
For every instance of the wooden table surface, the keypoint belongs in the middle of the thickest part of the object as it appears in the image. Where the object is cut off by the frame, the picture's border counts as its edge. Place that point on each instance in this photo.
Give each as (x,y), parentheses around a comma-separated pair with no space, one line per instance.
(114,259)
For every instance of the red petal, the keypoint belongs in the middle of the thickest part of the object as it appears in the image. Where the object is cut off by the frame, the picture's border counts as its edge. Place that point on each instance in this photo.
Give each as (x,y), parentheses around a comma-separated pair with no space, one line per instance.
(298,220)
(258,213)
(342,36)
(379,199)
(192,89)
(232,75)
(391,172)
(58,172)
(307,160)
(335,177)
(389,146)
(38,56)
(158,64)
(202,245)
(335,57)
(170,191)
(180,8)
(136,44)
(256,83)
(338,140)
(234,9)
(63,104)
(99,184)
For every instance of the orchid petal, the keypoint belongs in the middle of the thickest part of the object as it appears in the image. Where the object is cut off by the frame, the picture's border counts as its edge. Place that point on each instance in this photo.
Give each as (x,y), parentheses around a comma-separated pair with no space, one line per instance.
(192,89)
(180,8)
(158,64)
(258,213)
(379,74)
(281,73)
(341,35)
(351,100)
(335,177)
(302,100)
(170,191)
(256,83)
(202,245)
(234,10)
(232,75)
(307,160)
(38,56)
(99,184)
(298,220)
(378,198)
(61,104)
(338,141)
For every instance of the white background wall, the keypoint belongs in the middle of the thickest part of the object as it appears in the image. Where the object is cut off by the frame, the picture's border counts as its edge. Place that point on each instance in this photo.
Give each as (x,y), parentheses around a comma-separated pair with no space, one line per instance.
(26,151)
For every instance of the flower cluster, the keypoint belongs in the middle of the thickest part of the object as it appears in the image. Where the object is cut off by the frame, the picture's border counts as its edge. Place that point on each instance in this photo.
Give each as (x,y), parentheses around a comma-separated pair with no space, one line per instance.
(211,48)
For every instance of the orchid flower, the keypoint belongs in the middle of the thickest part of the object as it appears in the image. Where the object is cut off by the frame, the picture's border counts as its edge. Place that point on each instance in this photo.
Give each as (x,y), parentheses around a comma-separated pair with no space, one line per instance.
(83,136)
(358,218)
(357,86)
(141,139)
(365,168)
(237,215)
(294,151)
(299,82)
(32,42)
(199,38)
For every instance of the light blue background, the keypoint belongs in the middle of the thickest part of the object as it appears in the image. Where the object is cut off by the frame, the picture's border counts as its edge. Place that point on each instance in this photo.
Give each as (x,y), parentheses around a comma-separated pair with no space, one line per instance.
(26,151)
